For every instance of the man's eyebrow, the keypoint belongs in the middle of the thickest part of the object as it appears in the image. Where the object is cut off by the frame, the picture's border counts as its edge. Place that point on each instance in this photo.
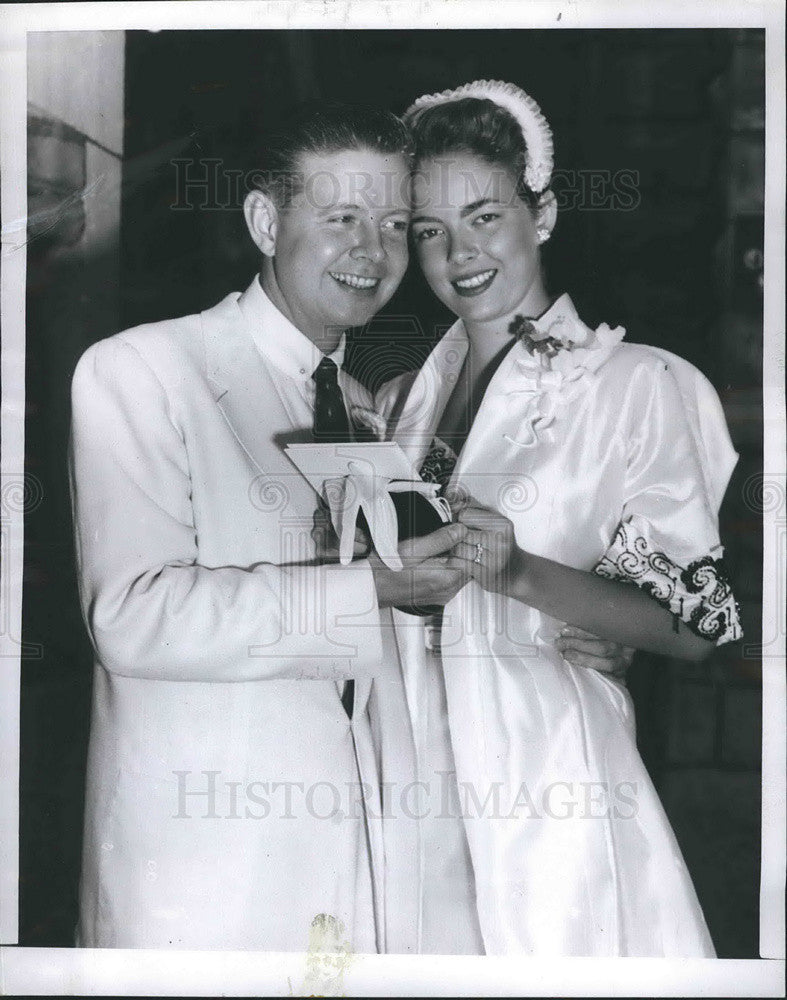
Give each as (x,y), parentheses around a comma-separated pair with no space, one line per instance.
(347,207)
(340,208)
(424,218)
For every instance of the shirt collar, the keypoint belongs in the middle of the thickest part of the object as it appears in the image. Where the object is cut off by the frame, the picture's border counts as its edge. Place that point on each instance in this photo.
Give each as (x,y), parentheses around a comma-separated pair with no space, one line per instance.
(561,308)
(278,340)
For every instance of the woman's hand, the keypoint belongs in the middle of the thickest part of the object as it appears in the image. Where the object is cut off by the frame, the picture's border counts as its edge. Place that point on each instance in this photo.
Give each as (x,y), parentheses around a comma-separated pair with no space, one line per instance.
(496,562)
(488,547)
(326,541)
(430,574)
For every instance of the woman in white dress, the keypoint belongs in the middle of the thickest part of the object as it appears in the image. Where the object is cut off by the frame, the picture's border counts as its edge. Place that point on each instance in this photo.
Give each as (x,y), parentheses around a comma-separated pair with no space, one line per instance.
(581,465)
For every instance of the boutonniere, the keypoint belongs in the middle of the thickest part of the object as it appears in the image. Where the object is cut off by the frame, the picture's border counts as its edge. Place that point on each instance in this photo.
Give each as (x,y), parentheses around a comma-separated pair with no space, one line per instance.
(368,424)
(546,343)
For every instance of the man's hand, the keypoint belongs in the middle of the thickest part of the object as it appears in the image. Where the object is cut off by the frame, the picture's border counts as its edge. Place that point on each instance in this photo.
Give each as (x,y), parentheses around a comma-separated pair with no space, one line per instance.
(582,649)
(429,575)
(326,541)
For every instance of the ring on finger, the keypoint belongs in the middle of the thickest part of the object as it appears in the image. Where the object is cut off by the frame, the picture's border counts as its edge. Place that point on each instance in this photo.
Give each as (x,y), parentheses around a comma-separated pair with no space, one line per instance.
(479,552)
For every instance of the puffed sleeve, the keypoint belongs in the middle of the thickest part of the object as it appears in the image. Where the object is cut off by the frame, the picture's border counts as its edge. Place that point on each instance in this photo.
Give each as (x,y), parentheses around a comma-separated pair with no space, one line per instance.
(679,459)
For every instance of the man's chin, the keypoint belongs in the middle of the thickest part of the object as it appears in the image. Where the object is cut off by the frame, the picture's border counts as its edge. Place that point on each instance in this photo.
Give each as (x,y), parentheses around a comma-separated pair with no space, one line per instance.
(359,313)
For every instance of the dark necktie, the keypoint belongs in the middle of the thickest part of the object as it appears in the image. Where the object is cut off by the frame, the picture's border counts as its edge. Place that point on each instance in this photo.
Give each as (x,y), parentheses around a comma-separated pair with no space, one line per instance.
(330,415)
(332,426)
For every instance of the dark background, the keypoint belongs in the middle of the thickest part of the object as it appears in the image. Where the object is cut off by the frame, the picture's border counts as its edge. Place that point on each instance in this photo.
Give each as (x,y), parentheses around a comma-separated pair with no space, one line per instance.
(681,269)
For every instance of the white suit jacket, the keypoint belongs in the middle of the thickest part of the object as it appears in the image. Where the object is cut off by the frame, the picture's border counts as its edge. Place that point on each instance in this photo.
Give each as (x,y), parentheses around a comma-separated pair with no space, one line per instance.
(225,781)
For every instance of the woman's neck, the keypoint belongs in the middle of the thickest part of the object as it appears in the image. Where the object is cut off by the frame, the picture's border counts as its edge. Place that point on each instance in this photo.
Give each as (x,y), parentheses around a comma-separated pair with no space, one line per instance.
(489,342)
(489,337)
(483,358)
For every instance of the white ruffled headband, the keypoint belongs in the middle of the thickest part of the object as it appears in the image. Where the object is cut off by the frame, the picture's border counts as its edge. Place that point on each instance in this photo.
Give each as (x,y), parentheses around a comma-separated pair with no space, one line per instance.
(535,130)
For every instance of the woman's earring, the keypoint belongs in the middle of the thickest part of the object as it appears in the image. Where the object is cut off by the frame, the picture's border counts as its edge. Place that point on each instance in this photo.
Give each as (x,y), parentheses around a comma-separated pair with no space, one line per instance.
(543,234)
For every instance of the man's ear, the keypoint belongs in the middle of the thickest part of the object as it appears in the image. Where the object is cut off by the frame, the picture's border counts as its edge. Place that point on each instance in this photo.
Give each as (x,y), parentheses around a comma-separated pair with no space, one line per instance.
(262,221)
(546,211)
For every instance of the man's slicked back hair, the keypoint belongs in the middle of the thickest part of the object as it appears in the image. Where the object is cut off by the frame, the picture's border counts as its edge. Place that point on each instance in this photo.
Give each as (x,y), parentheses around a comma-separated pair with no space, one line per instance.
(322,128)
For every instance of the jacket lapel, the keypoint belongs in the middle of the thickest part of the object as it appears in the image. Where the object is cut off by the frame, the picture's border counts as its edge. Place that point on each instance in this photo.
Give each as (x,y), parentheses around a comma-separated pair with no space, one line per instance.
(246,392)
(419,416)
(495,412)
(262,418)
(415,427)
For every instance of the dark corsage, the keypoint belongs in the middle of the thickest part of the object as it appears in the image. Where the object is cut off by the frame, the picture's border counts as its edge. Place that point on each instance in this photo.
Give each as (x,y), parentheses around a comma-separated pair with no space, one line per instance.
(560,335)
(536,341)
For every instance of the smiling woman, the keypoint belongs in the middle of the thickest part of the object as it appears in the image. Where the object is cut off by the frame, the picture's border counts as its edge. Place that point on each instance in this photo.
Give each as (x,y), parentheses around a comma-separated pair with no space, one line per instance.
(468,246)
(569,457)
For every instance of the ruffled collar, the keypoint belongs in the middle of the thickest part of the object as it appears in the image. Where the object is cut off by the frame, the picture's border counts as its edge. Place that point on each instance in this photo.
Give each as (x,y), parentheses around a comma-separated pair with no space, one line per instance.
(556,357)
(559,342)
(543,382)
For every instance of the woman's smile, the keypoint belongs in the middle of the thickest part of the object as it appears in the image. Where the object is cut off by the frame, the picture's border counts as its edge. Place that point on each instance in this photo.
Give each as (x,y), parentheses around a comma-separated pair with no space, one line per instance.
(474,284)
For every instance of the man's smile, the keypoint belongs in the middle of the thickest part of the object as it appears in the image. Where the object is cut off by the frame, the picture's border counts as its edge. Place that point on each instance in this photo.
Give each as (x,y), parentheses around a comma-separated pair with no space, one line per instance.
(356,281)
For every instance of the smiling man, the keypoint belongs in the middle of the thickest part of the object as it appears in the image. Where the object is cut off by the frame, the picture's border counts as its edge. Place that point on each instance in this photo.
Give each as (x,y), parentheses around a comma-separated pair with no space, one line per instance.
(334,248)
(247,704)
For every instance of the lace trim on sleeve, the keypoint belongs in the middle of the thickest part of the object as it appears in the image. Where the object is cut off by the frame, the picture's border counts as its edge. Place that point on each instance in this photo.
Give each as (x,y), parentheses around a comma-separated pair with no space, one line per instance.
(699,595)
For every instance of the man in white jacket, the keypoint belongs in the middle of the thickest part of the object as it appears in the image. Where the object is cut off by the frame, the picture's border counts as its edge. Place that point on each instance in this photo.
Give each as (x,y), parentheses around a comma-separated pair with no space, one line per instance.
(232,798)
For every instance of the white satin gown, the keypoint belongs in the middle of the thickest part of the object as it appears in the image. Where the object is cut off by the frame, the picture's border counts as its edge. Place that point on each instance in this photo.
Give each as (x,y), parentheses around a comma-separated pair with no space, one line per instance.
(608,457)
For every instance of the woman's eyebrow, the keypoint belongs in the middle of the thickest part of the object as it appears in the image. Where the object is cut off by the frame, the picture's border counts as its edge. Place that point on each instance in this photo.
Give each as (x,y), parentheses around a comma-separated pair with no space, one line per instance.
(475,205)
(463,212)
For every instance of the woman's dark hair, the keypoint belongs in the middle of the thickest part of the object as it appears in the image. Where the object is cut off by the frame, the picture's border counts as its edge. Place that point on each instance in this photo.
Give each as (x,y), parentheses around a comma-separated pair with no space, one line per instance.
(476,126)
(323,127)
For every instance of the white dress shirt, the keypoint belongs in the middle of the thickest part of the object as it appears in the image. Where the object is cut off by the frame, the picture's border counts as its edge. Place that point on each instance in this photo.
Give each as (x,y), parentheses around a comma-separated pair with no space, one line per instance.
(292,354)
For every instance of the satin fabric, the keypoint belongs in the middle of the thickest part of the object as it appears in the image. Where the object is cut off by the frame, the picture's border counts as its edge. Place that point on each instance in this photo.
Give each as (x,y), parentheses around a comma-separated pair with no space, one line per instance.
(571,849)
(447,914)
(221,651)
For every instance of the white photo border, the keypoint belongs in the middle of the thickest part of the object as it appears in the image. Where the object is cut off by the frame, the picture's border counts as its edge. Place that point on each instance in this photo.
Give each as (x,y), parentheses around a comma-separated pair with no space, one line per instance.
(50,971)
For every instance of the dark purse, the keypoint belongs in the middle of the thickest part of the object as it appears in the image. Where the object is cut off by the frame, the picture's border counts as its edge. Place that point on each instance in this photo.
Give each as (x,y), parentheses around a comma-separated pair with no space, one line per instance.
(416,517)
